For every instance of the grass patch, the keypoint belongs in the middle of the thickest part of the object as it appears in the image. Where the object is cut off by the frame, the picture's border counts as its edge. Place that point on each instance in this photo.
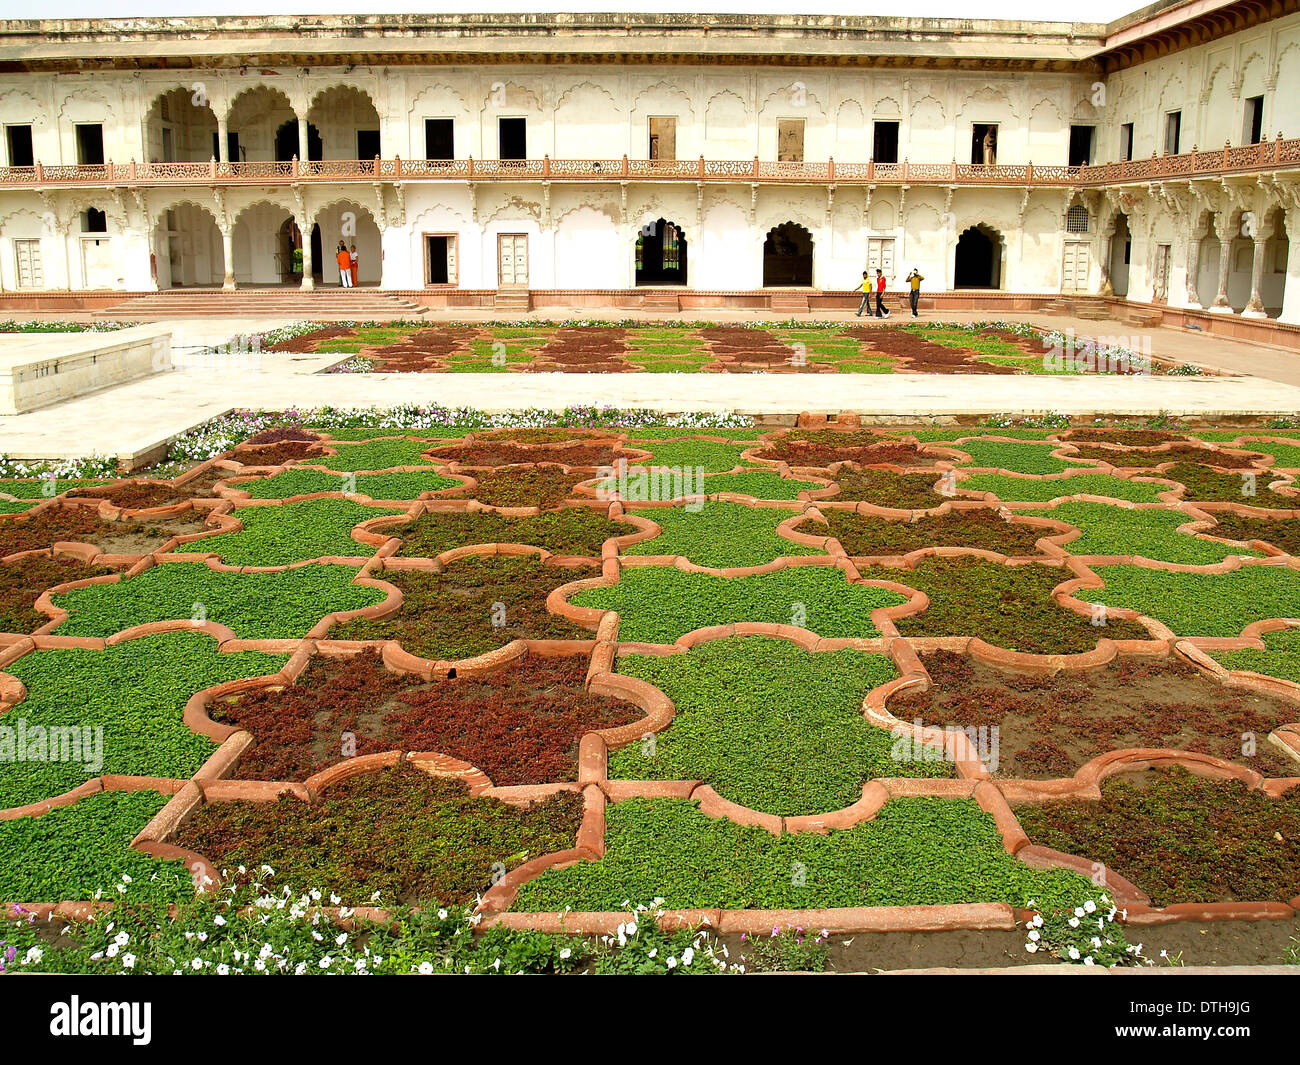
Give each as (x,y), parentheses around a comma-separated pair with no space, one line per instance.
(1027,490)
(293,532)
(258,606)
(1279,658)
(719,534)
(920,851)
(1149,534)
(376,455)
(299,482)
(658,604)
(137,692)
(1201,604)
(1013,457)
(768,725)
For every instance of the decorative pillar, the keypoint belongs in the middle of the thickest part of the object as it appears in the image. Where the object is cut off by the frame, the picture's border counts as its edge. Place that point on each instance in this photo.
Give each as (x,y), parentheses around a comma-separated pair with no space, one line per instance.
(1107,249)
(302,140)
(1221,304)
(304,229)
(1255,308)
(227,255)
(1193,272)
(223,140)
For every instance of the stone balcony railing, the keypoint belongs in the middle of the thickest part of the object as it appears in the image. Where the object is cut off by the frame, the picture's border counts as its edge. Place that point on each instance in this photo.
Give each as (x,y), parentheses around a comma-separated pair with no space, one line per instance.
(1267,155)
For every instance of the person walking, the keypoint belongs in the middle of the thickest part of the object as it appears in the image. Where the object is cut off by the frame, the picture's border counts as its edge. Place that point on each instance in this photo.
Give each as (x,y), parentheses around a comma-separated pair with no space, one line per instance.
(352,254)
(880,296)
(866,287)
(914,279)
(345,265)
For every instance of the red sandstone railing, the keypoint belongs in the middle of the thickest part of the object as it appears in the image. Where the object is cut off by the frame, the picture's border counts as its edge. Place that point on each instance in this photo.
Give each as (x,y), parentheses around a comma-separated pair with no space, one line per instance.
(1275,154)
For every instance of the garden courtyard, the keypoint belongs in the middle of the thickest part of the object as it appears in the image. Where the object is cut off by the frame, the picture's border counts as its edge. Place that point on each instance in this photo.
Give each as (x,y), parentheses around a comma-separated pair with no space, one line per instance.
(600,690)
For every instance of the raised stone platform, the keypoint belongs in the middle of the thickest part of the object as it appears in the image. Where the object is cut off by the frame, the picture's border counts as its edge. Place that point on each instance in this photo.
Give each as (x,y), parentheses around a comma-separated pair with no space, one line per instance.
(38,369)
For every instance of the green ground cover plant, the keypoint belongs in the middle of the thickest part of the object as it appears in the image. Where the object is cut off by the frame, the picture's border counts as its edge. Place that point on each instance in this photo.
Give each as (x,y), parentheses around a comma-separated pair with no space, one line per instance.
(658,604)
(300,482)
(1285,456)
(1200,604)
(760,484)
(719,534)
(1180,837)
(376,455)
(282,604)
(1014,457)
(292,532)
(1210,486)
(1008,606)
(1280,656)
(570,531)
(768,725)
(920,851)
(455,614)
(136,691)
(1109,530)
(711,456)
(1029,490)
(82,852)
(411,837)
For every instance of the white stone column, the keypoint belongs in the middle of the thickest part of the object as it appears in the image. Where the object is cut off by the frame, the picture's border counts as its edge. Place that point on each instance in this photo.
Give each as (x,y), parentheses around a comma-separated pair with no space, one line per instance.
(302,140)
(1221,304)
(227,254)
(1291,291)
(223,140)
(1255,307)
(304,227)
(1193,272)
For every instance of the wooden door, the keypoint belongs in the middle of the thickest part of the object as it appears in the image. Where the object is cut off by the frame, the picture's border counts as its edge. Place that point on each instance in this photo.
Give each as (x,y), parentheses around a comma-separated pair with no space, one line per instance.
(512,256)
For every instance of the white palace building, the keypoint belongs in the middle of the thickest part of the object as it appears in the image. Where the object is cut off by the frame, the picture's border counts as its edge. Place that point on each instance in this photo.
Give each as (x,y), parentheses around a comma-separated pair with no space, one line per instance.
(669,161)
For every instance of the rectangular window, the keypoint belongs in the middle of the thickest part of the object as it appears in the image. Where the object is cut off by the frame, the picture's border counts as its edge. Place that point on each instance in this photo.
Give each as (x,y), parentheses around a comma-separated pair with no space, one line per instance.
(789,140)
(1253,126)
(1126,141)
(513,135)
(984,144)
(19,142)
(90,144)
(1173,131)
(663,137)
(884,142)
(440,259)
(439,138)
(93,221)
(368,144)
(1081,145)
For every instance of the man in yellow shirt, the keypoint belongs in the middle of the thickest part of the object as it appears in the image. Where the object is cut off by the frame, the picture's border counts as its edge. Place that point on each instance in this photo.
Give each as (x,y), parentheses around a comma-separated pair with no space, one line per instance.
(866,294)
(914,279)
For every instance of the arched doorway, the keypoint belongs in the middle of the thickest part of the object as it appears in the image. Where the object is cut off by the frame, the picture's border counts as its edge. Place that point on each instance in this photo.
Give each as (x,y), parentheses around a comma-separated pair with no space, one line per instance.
(661,254)
(348,122)
(1121,253)
(290,251)
(788,256)
(978,262)
(286,142)
(186,248)
(179,129)
(353,224)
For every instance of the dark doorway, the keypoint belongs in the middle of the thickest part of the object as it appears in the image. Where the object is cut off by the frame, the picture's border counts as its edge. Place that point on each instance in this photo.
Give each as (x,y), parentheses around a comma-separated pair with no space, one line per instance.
(1253,128)
(368,144)
(884,142)
(979,259)
(439,274)
(788,256)
(984,143)
(19,140)
(90,144)
(232,146)
(286,142)
(439,138)
(661,254)
(514,137)
(317,254)
(94,221)
(1081,145)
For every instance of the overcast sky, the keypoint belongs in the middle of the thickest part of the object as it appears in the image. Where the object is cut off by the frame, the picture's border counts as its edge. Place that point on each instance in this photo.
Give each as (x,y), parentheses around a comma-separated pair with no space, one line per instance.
(1098,11)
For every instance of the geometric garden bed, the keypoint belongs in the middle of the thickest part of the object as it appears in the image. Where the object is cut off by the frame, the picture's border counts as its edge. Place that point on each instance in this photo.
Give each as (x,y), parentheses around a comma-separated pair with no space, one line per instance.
(859,696)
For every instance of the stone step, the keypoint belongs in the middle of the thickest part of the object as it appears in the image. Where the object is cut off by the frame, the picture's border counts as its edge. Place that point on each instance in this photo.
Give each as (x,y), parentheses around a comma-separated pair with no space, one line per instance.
(662,301)
(514,300)
(788,303)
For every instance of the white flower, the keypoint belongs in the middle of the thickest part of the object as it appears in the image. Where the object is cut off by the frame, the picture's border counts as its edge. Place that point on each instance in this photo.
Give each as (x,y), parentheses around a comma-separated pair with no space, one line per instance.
(1073,953)
(218,920)
(1073,922)
(688,955)
(223,969)
(1090,906)
(128,961)
(195,963)
(1031,947)
(1034,935)
(565,954)
(426,968)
